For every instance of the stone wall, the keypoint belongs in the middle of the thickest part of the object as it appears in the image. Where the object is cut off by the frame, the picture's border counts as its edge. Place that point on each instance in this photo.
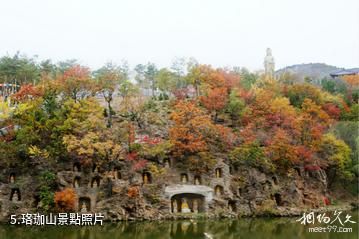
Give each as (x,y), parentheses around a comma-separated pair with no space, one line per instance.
(244,191)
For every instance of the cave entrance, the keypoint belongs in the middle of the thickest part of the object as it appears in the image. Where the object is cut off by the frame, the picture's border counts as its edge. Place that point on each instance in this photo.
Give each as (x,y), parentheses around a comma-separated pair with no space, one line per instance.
(116,173)
(218,172)
(76,183)
(197,180)
(187,203)
(95,183)
(15,195)
(218,190)
(167,163)
(84,204)
(95,168)
(146,178)
(12,178)
(278,199)
(232,206)
(184,178)
(77,167)
(275,180)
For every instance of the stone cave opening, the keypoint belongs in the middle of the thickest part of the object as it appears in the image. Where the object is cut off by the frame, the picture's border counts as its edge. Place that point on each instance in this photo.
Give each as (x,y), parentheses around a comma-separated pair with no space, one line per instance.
(187,203)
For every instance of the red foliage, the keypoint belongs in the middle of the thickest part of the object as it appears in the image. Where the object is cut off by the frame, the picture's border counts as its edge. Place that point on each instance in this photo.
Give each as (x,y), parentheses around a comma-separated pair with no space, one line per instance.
(139,164)
(133,192)
(304,153)
(131,156)
(326,201)
(312,167)
(65,200)
(215,100)
(231,80)
(27,92)
(147,140)
(77,72)
(180,94)
(332,110)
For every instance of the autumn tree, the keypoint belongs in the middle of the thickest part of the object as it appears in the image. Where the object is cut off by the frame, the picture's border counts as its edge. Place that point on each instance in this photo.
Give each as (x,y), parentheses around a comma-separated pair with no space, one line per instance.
(189,123)
(85,135)
(215,101)
(27,92)
(108,77)
(76,83)
(235,106)
(334,157)
(65,200)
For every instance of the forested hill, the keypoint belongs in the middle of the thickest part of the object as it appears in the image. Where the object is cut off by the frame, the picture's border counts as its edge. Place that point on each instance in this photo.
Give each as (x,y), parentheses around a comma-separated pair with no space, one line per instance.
(312,70)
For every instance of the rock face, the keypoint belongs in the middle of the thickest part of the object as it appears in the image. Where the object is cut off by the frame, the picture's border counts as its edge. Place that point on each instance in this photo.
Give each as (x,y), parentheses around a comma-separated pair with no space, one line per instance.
(222,192)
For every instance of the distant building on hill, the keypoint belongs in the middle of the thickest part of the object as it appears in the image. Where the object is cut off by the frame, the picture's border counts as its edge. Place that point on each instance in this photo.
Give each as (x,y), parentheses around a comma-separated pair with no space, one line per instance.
(344,72)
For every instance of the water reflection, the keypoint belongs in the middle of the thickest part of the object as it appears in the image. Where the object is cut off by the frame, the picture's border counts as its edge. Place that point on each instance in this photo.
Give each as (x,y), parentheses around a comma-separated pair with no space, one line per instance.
(270,228)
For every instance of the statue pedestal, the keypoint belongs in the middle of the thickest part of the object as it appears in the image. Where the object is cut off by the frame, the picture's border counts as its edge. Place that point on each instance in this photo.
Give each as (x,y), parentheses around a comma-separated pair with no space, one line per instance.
(185,210)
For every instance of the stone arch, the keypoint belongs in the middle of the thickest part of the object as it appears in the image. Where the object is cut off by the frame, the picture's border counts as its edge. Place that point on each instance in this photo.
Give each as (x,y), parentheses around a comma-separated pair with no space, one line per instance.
(218,172)
(15,195)
(146,177)
(12,178)
(184,178)
(76,167)
(218,190)
(84,204)
(76,182)
(188,203)
(95,182)
(197,180)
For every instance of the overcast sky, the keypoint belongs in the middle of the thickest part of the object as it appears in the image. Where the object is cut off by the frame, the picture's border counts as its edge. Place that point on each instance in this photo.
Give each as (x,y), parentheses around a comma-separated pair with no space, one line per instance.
(221,32)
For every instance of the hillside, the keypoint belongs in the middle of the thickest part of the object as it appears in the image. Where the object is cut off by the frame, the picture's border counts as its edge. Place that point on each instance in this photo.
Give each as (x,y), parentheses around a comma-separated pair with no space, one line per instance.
(312,70)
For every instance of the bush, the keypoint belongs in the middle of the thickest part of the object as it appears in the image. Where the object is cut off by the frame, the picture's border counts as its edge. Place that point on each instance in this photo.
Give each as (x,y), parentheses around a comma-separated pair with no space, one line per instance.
(65,200)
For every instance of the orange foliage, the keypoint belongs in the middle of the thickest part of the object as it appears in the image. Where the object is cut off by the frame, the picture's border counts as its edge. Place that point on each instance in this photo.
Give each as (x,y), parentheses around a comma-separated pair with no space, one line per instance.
(352,80)
(281,149)
(210,77)
(76,82)
(27,92)
(65,200)
(189,123)
(133,192)
(215,100)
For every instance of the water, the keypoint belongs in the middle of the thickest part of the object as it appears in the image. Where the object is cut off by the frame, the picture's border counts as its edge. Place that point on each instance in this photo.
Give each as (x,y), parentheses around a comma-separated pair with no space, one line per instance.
(267,228)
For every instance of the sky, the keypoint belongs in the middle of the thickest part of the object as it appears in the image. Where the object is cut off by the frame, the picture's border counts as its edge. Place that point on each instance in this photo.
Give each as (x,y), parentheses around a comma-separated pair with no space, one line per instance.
(221,33)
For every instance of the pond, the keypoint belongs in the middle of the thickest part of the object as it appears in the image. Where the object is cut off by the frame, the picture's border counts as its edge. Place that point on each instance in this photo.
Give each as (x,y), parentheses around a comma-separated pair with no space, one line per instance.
(268,228)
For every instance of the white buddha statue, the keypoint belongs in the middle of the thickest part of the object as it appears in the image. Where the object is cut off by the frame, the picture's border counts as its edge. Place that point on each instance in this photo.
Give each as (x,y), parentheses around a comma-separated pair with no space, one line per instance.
(83,207)
(12,179)
(196,181)
(15,197)
(76,183)
(269,64)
